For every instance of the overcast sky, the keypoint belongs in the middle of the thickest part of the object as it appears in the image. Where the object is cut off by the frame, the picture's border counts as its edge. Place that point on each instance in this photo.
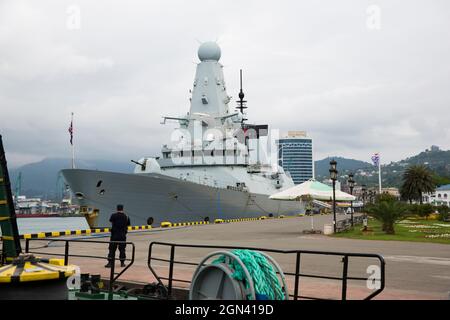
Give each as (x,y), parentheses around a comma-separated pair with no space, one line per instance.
(359,76)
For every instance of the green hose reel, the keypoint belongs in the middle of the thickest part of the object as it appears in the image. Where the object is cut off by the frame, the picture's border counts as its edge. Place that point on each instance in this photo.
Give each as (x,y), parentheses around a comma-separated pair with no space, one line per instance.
(238,275)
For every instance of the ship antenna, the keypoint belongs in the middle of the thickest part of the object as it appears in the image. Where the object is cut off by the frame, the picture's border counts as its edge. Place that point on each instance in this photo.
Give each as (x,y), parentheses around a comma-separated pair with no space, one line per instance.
(241,102)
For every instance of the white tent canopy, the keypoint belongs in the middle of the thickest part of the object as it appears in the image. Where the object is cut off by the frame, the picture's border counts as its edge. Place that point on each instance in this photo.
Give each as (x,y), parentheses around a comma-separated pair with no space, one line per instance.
(313,189)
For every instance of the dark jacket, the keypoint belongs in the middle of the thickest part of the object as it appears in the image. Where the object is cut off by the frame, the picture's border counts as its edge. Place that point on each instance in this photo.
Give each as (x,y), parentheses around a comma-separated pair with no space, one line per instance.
(120,223)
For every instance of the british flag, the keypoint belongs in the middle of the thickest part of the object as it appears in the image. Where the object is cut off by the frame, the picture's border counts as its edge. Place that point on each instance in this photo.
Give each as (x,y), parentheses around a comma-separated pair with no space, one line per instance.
(376,159)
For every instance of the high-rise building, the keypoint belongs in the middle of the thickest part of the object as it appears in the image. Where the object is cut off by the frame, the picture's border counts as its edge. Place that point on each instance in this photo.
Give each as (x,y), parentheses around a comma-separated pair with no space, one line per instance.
(295,155)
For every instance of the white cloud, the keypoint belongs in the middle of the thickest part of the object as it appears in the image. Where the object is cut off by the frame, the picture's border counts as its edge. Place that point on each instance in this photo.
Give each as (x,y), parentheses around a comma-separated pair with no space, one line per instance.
(307,65)
(31,52)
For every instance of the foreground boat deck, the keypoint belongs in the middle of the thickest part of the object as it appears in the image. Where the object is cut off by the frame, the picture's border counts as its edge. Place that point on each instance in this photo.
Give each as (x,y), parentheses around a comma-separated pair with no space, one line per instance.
(413,270)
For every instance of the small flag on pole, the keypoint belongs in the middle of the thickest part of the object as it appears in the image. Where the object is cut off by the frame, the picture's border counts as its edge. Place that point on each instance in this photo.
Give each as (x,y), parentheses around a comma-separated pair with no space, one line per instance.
(376,159)
(71,132)
(71,141)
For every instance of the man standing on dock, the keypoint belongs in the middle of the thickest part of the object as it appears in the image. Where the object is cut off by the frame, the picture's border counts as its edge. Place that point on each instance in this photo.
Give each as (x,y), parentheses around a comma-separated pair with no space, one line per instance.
(120,223)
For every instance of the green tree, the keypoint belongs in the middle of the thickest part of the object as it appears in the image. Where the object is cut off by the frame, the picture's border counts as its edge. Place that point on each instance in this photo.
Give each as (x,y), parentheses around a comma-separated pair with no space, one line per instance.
(444,212)
(388,211)
(416,180)
(421,210)
(441,180)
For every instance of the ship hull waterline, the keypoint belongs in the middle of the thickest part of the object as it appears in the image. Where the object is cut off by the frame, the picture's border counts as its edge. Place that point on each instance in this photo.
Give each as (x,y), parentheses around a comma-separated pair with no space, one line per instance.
(164,198)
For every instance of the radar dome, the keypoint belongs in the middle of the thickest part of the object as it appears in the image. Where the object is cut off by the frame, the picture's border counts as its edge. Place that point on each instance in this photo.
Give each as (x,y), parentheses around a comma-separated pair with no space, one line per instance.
(209,51)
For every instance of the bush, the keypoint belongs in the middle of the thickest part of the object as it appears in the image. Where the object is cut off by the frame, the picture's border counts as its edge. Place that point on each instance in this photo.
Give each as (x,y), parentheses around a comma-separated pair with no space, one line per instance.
(413,209)
(425,210)
(388,210)
(421,210)
(444,213)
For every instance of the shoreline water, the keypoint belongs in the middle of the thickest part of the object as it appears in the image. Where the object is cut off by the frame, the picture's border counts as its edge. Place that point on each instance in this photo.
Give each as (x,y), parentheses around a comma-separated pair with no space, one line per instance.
(48,224)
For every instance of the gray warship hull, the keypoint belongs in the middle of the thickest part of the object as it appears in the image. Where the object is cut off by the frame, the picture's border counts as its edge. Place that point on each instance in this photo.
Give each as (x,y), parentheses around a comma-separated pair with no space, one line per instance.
(163,198)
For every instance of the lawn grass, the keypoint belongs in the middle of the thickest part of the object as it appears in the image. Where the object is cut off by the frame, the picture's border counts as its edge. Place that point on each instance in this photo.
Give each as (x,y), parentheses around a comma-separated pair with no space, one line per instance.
(402,231)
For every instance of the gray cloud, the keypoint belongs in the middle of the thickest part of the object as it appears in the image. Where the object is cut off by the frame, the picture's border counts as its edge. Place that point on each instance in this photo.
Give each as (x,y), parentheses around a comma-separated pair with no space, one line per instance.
(311,66)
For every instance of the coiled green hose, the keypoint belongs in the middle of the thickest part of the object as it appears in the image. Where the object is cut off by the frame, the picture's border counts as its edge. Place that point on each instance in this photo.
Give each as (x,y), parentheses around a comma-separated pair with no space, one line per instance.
(266,282)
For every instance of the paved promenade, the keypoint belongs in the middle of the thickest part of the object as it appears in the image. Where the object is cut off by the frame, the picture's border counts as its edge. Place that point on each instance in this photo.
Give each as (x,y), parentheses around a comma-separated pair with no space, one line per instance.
(413,270)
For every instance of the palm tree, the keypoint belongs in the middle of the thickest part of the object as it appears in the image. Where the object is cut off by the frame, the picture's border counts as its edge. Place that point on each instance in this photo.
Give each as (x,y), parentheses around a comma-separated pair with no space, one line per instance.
(388,211)
(416,180)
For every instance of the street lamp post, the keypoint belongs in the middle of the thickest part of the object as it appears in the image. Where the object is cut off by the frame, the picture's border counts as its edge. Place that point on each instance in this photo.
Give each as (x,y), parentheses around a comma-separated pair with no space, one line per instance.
(363,196)
(371,196)
(351,184)
(333,176)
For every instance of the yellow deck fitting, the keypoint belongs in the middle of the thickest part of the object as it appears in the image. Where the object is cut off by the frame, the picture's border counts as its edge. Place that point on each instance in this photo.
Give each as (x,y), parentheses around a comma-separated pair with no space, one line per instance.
(166,224)
(28,268)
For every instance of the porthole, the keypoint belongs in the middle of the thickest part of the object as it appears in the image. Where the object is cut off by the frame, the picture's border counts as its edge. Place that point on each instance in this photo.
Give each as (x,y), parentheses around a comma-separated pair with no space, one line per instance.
(150,221)
(206,219)
(79,195)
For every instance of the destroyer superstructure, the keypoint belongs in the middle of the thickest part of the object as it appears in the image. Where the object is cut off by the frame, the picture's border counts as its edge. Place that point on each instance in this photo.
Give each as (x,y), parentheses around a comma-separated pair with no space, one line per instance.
(212,167)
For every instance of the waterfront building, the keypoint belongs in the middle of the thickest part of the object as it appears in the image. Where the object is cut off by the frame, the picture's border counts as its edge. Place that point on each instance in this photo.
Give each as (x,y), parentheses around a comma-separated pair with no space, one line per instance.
(440,197)
(395,192)
(295,155)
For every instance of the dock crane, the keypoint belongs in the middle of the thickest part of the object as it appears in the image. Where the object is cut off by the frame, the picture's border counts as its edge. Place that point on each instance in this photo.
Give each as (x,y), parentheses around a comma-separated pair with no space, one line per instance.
(22,275)
(8,222)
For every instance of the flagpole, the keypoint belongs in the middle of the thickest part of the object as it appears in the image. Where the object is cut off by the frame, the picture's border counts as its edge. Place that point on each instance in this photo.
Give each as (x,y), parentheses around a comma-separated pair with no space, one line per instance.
(73,148)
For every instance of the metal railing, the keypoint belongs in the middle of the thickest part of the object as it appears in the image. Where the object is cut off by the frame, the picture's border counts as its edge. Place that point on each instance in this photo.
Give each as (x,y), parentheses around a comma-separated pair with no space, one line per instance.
(112,276)
(297,254)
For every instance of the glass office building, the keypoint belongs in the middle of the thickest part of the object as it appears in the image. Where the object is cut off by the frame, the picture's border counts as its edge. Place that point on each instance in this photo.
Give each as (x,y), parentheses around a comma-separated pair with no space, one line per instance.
(295,155)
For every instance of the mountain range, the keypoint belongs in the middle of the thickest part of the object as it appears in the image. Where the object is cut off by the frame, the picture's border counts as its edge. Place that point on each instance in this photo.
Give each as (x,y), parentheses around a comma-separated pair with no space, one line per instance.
(435,159)
(42,179)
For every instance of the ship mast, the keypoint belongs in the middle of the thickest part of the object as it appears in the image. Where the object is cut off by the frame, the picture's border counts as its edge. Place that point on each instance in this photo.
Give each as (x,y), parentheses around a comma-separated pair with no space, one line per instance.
(242,104)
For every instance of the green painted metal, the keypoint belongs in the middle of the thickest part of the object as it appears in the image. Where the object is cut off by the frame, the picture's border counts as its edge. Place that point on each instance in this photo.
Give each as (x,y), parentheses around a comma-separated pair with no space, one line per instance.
(8,221)
(316,185)
(103,295)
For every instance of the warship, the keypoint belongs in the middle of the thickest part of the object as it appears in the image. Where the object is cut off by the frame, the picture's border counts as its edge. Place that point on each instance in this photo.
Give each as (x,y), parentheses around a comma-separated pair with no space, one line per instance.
(210,169)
